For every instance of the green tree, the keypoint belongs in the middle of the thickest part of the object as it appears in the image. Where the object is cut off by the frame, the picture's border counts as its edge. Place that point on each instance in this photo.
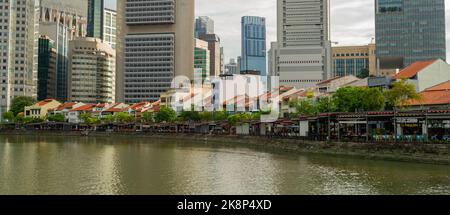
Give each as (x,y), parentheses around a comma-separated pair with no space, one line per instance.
(108,119)
(303,107)
(89,119)
(190,116)
(19,103)
(364,73)
(401,93)
(220,115)
(9,116)
(123,117)
(30,120)
(165,114)
(325,105)
(351,99)
(147,117)
(57,118)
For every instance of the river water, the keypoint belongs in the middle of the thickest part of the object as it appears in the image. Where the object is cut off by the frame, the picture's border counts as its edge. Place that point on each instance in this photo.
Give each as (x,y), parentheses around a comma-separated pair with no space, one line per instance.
(127,165)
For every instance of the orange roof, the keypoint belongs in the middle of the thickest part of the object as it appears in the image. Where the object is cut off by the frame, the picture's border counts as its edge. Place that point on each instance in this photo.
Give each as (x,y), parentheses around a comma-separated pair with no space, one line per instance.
(329,80)
(44,102)
(87,107)
(413,69)
(65,105)
(439,94)
(443,86)
(114,108)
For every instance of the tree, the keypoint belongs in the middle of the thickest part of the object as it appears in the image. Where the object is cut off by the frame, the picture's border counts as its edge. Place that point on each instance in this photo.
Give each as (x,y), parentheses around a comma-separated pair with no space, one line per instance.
(303,107)
(364,73)
(108,119)
(165,114)
(351,99)
(147,117)
(19,103)
(325,105)
(221,115)
(401,93)
(206,116)
(57,118)
(9,116)
(189,116)
(89,119)
(123,117)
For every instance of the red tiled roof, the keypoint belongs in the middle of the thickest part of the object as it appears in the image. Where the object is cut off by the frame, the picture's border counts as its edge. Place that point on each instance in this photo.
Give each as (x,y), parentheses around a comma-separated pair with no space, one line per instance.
(413,69)
(442,86)
(114,108)
(44,102)
(65,105)
(87,107)
(329,80)
(439,94)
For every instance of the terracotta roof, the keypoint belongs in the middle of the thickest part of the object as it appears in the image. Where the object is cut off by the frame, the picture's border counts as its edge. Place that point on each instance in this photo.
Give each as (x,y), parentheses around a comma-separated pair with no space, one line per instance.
(87,107)
(65,105)
(443,86)
(115,108)
(329,80)
(439,94)
(413,69)
(44,102)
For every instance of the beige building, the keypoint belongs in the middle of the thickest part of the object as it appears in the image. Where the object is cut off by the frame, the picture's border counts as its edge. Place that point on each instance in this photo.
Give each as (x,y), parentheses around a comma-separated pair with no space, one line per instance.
(155,44)
(40,109)
(215,54)
(354,60)
(91,71)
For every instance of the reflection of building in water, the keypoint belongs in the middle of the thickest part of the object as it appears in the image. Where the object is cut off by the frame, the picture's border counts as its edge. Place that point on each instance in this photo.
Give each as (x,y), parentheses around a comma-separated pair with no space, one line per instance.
(72,13)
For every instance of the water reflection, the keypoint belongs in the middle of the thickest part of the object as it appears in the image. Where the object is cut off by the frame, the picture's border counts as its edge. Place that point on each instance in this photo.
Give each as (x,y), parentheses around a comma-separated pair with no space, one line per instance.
(124,165)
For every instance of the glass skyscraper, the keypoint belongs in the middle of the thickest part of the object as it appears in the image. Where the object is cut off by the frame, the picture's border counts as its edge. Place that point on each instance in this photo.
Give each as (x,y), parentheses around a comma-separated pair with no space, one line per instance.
(408,31)
(95,18)
(203,25)
(253,57)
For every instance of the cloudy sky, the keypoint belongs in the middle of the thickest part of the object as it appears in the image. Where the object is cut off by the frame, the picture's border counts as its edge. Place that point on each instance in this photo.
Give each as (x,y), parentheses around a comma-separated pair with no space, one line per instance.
(352,21)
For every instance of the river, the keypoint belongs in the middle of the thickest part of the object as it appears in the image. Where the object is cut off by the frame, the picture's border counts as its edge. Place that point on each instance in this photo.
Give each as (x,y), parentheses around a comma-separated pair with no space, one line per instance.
(127,165)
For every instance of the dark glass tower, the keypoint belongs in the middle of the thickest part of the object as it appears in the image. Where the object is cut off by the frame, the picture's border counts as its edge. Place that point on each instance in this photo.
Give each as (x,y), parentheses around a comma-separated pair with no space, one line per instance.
(95,18)
(408,31)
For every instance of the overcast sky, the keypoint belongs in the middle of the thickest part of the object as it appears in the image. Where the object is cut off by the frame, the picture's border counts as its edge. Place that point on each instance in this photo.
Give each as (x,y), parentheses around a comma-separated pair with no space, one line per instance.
(352,21)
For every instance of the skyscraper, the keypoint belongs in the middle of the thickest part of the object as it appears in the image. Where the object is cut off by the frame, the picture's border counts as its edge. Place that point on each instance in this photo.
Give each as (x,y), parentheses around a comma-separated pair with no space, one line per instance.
(272,55)
(201,60)
(214,53)
(110,27)
(304,48)
(408,31)
(60,34)
(231,67)
(72,13)
(155,44)
(46,69)
(91,71)
(253,30)
(203,25)
(19,50)
(95,18)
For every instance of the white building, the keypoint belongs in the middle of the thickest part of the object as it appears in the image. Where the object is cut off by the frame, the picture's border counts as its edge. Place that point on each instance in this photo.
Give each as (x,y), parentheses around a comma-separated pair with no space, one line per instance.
(110,27)
(303,42)
(19,34)
(91,71)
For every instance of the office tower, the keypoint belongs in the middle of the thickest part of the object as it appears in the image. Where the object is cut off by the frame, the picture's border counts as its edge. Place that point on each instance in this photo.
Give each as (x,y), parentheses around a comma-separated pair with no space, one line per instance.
(60,34)
(72,13)
(303,42)
(231,67)
(110,27)
(222,61)
(46,69)
(95,18)
(272,56)
(203,25)
(214,51)
(253,30)
(19,50)
(359,61)
(92,71)
(201,60)
(155,44)
(239,65)
(408,31)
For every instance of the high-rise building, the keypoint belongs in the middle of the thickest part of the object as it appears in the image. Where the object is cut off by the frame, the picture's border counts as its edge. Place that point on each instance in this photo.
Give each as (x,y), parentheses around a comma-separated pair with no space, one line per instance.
(272,56)
(72,13)
(91,71)
(304,49)
(222,60)
(46,69)
(95,18)
(19,36)
(203,25)
(201,60)
(359,61)
(214,51)
(239,65)
(408,31)
(253,30)
(110,27)
(60,34)
(231,67)
(155,44)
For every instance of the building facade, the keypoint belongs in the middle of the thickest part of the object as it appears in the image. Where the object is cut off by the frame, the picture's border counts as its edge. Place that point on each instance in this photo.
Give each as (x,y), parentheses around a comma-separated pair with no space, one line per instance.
(46,87)
(72,13)
(215,53)
(272,55)
(110,27)
(19,34)
(201,60)
(253,33)
(232,67)
(203,25)
(92,71)
(155,44)
(359,61)
(60,34)
(408,31)
(303,31)
(95,18)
